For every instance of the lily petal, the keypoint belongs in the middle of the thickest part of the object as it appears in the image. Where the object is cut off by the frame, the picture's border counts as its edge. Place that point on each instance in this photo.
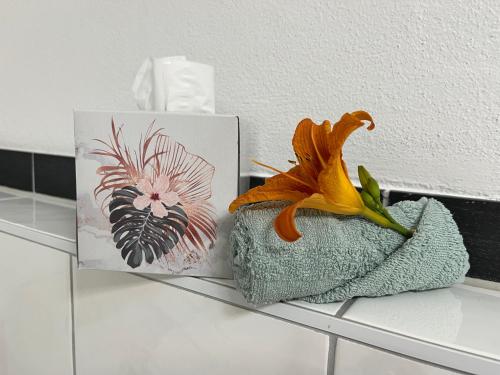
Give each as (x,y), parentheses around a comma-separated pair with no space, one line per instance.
(336,185)
(284,225)
(279,187)
(365,116)
(310,144)
(345,126)
(319,135)
(334,180)
(321,202)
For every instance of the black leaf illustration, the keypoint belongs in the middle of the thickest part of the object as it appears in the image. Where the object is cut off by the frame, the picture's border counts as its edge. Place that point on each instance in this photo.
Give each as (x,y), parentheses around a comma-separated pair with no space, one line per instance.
(138,233)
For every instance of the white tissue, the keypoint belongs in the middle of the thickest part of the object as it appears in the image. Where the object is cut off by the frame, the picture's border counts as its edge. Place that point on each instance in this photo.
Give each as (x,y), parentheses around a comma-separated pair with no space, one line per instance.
(148,89)
(174,84)
(143,85)
(190,87)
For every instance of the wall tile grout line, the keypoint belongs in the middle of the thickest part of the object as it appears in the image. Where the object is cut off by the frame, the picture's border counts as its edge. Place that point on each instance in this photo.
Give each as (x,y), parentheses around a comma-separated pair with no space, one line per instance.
(33,186)
(72,306)
(334,341)
(350,303)
(330,362)
(231,303)
(345,306)
(332,344)
(339,314)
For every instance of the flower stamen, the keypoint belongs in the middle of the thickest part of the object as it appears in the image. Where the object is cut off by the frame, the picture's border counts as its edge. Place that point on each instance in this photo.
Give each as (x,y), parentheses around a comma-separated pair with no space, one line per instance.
(286,174)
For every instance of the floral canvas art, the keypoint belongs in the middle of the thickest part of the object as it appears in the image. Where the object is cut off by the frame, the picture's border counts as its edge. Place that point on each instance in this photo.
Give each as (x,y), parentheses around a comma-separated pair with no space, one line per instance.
(152,191)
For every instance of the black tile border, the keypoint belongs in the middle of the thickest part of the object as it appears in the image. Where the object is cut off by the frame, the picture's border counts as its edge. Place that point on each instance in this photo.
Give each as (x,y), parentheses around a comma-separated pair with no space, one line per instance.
(55,175)
(256,181)
(477,219)
(16,169)
(41,173)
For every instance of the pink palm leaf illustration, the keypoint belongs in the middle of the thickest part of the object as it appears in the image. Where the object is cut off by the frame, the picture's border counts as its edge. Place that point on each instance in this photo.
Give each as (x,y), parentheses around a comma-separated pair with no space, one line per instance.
(191,178)
(157,197)
(127,167)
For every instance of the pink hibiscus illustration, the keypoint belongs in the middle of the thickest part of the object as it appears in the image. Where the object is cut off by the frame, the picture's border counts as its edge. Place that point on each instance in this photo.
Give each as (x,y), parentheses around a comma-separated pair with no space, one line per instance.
(156,198)
(157,195)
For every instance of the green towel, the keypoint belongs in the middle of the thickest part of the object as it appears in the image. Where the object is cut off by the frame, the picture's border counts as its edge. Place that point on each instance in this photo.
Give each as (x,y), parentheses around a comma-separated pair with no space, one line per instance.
(341,257)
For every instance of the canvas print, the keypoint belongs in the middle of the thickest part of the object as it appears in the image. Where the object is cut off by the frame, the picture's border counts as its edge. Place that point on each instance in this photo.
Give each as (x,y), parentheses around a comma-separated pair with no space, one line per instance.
(153,191)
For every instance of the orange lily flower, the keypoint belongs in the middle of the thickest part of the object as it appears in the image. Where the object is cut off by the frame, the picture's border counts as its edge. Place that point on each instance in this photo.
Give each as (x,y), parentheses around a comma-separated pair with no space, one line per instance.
(319,180)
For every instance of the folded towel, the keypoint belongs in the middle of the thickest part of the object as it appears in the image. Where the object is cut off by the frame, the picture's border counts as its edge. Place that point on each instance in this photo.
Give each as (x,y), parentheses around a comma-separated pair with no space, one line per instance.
(340,257)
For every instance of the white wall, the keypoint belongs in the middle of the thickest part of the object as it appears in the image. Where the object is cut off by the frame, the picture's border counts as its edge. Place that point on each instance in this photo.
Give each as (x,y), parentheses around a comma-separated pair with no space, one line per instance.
(429,71)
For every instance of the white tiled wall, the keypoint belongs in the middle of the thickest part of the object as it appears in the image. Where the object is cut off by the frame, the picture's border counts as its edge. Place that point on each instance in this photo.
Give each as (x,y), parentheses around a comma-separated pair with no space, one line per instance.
(35,309)
(128,325)
(356,359)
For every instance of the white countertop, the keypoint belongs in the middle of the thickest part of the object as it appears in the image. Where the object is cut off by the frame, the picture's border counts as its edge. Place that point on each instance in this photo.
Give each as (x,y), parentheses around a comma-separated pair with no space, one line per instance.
(456,327)
(47,220)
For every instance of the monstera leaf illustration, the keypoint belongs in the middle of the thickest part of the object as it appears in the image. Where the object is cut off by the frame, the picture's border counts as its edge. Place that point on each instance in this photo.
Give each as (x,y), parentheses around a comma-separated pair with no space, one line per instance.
(189,232)
(138,233)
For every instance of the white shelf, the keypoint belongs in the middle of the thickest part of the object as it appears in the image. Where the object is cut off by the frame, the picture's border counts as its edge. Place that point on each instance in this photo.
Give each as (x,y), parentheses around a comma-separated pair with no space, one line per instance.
(457,332)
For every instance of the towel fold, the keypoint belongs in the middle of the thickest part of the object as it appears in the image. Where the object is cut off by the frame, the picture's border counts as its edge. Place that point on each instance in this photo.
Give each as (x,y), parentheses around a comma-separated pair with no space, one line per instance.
(341,257)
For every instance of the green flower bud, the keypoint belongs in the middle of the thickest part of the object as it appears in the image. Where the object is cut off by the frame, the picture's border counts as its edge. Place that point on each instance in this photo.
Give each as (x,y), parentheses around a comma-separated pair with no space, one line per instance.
(364,176)
(369,201)
(373,189)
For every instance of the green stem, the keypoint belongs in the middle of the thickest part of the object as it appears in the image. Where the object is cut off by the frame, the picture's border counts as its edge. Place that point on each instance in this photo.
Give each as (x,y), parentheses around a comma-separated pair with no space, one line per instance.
(384,222)
(388,215)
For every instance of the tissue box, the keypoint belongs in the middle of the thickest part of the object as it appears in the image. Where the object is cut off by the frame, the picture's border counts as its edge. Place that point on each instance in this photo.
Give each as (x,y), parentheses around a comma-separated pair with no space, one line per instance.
(153,190)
